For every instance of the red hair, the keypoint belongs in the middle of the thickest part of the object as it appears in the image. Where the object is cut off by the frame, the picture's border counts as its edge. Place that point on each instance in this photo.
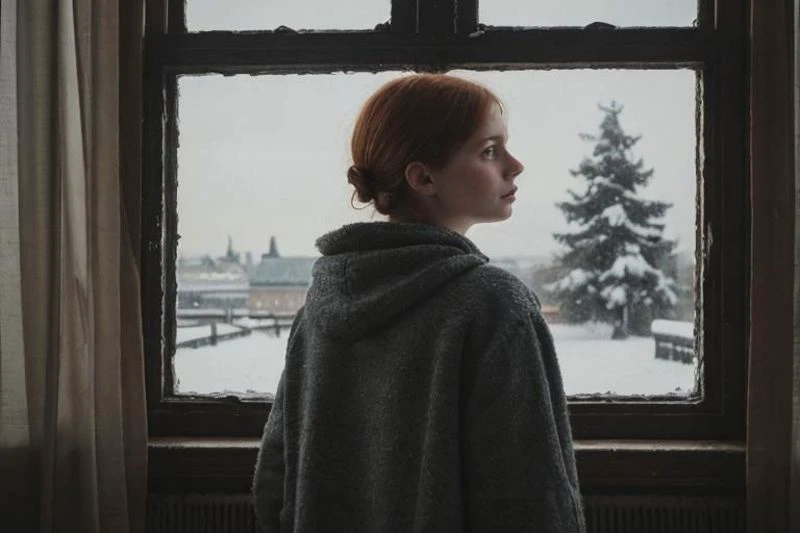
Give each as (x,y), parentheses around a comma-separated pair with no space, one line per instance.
(419,117)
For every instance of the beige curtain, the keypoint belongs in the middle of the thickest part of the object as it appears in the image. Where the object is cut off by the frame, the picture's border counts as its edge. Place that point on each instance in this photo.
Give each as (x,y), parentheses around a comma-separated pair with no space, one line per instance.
(72,406)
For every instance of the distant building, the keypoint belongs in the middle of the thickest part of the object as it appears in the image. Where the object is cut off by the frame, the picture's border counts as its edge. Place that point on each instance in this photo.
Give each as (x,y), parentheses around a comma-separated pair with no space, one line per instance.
(276,284)
(279,284)
(207,283)
(523,267)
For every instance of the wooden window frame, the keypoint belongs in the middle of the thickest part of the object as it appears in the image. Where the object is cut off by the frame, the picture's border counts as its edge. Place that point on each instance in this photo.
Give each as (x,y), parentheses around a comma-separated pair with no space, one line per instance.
(439,35)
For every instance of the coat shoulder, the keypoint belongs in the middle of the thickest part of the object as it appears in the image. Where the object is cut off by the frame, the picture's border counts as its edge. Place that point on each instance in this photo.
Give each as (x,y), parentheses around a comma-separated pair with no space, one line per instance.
(499,292)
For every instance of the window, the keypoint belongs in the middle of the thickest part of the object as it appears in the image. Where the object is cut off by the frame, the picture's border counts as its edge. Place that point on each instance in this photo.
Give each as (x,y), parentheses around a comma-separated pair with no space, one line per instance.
(226,112)
(277,185)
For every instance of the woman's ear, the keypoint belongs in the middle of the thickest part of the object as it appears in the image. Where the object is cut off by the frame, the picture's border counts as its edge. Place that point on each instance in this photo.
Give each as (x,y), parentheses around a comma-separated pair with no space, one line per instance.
(418,177)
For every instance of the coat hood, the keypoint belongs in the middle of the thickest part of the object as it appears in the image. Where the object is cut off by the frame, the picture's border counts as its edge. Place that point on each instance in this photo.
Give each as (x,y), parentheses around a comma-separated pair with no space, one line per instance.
(370,272)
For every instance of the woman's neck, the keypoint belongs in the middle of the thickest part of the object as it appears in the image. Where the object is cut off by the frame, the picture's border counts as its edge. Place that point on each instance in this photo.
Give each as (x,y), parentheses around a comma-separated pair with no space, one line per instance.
(461,229)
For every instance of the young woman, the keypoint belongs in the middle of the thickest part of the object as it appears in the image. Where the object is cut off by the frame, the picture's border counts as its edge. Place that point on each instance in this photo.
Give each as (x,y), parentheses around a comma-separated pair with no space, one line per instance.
(421,391)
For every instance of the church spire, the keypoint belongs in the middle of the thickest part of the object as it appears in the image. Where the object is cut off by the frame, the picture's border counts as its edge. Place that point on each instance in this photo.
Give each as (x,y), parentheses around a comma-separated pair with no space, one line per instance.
(273,247)
(230,255)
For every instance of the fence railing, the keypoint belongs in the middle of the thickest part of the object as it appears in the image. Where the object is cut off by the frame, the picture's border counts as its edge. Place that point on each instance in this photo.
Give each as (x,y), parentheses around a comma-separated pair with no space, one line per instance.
(209,335)
(237,323)
(229,314)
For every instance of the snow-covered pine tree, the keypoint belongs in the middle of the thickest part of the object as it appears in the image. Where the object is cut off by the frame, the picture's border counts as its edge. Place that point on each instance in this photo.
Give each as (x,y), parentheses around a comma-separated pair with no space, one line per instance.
(611,259)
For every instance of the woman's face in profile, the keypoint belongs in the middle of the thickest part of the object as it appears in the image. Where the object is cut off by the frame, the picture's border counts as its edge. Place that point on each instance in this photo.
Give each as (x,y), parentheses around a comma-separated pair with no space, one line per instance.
(477,184)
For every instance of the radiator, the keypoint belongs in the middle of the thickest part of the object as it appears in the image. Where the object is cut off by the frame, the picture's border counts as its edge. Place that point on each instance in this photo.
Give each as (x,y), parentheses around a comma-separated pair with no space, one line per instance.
(200,513)
(661,514)
(210,513)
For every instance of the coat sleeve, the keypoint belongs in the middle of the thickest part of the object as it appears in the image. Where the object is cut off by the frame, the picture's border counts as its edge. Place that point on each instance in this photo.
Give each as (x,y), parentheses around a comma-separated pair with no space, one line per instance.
(518,461)
(268,481)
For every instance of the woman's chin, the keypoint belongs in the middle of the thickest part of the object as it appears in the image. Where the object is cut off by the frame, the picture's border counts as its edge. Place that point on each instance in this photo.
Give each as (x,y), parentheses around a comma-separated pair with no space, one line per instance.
(507,212)
(500,216)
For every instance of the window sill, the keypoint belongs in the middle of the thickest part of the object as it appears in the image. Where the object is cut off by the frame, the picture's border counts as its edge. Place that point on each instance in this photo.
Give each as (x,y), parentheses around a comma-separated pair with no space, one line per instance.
(226,465)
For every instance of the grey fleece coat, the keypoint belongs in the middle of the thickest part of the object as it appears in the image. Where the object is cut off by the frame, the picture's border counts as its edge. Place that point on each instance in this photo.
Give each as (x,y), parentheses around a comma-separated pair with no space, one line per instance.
(421,393)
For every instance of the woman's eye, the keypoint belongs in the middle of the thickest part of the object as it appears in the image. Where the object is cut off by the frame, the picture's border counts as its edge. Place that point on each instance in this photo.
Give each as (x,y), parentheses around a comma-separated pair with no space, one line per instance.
(491,151)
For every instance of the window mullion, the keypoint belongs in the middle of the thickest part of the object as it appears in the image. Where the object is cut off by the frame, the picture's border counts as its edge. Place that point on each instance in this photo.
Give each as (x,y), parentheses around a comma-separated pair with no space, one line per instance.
(437,17)
(170,231)
(404,16)
(176,16)
(706,13)
(326,52)
(466,16)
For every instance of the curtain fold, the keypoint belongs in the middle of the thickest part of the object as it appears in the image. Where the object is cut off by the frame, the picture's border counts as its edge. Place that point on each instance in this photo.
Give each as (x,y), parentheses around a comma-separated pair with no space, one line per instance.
(15,438)
(70,291)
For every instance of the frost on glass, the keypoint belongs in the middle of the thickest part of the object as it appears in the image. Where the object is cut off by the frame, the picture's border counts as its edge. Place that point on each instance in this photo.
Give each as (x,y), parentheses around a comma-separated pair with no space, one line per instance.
(262,174)
(678,13)
(235,15)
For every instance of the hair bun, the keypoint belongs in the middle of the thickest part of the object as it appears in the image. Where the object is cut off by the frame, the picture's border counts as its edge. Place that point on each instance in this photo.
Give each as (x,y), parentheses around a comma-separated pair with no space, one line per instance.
(363,183)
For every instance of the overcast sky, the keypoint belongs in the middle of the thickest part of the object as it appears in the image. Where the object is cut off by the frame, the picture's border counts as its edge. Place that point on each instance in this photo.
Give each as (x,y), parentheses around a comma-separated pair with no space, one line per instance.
(267,155)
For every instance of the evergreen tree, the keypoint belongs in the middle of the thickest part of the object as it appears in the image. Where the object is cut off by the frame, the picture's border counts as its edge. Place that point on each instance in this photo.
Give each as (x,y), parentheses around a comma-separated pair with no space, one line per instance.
(611,263)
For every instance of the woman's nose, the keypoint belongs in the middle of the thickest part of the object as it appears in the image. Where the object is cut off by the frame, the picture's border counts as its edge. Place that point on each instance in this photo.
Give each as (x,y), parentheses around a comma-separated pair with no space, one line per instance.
(515,166)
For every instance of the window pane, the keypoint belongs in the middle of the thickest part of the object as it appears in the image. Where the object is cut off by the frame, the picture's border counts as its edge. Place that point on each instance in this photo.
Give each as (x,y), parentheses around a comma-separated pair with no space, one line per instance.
(583,12)
(262,164)
(233,15)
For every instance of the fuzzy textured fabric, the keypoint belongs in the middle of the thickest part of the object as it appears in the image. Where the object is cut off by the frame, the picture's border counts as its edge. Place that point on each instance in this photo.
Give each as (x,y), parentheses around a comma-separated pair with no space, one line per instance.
(421,393)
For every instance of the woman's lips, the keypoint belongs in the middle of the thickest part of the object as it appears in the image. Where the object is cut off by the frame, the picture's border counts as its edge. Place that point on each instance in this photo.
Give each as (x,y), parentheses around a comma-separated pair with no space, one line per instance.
(510,194)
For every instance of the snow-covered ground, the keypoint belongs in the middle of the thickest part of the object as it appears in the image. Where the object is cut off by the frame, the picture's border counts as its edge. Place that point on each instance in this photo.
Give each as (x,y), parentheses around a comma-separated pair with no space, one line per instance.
(590,363)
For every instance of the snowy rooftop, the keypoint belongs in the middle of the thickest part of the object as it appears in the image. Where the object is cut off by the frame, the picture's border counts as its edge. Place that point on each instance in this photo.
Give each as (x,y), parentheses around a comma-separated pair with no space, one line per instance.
(283,271)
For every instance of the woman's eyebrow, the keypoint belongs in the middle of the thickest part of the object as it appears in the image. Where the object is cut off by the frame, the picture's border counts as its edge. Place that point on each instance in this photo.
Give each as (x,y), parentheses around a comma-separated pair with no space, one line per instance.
(493,138)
